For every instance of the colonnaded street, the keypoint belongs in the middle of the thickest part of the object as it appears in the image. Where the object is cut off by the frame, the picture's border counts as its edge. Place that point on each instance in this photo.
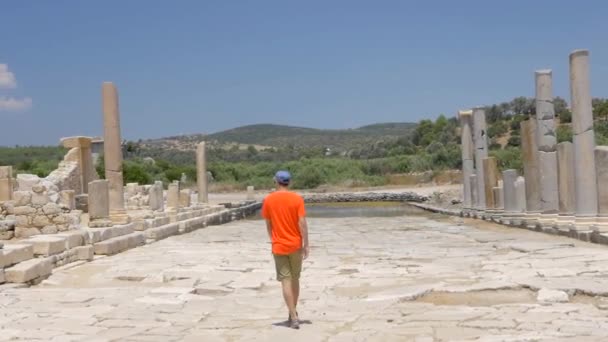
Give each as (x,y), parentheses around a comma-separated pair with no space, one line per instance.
(391,278)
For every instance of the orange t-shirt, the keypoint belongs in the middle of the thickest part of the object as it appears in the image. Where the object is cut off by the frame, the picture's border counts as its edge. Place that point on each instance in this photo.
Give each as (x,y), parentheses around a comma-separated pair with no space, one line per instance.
(283,209)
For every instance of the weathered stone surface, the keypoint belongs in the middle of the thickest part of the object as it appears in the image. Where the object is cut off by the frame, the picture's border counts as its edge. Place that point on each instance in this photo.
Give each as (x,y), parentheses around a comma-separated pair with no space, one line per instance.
(474,189)
(565,169)
(25,182)
(549,183)
(552,296)
(29,270)
(510,197)
(67,199)
(520,193)
(584,138)
(6,189)
(173,195)
(73,238)
(250,192)
(47,245)
(585,176)
(15,253)
(24,232)
(119,244)
(85,252)
(51,229)
(498,197)
(156,196)
(112,146)
(184,198)
(162,232)
(601,162)
(490,180)
(201,173)
(22,198)
(6,171)
(480,139)
(529,149)
(99,205)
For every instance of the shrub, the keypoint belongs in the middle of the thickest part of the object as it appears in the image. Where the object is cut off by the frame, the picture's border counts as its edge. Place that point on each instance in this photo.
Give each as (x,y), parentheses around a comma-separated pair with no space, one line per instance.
(563,133)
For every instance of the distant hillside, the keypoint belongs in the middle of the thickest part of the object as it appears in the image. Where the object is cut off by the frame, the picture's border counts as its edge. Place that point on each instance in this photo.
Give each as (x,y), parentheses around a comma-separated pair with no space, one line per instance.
(268,135)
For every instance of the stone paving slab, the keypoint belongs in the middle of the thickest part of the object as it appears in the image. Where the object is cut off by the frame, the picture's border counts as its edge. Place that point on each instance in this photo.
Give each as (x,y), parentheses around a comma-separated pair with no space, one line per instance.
(408,278)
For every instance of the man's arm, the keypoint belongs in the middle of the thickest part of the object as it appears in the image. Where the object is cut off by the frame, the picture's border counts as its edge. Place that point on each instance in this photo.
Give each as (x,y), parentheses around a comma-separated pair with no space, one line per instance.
(304,232)
(269,230)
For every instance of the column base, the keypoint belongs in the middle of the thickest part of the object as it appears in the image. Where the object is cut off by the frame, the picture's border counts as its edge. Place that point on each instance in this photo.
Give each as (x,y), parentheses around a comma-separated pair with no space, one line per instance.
(546,222)
(511,219)
(530,220)
(496,215)
(564,223)
(584,223)
(600,225)
(120,217)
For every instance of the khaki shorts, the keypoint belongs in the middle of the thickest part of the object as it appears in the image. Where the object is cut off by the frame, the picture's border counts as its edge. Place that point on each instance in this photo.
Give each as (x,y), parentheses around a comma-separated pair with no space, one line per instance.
(288,266)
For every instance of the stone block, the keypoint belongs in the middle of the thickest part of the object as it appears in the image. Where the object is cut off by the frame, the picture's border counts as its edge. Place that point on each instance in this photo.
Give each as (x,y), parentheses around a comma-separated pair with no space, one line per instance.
(82,202)
(6,189)
(85,252)
(173,195)
(51,209)
(529,147)
(13,254)
(2,278)
(549,183)
(40,221)
(52,229)
(565,174)
(119,244)
(184,198)
(25,182)
(490,181)
(162,232)
(6,172)
(22,198)
(99,200)
(73,239)
(47,245)
(102,234)
(24,210)
(25,232)
(29,270)
(67,199)
(40,200)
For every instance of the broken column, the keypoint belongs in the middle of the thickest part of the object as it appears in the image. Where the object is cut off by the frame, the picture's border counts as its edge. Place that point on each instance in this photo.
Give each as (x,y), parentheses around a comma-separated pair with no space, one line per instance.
(6,183)
(509,194)
(466,121)
(529,155)
(547,155)
(481,152)
(201,172)
(112,149)
(601,164)
(250,193)
(156,196)
(565,175)
(184,198)
(173,196)
(585,178)
(85,159)
(99,203)
(490,181)
(520,194)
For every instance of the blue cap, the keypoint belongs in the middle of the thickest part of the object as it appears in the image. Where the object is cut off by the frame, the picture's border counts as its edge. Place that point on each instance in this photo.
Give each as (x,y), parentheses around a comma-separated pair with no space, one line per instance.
(282,177)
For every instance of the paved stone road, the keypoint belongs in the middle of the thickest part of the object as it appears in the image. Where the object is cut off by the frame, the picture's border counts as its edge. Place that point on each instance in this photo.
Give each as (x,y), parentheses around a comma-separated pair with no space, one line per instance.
(368,279)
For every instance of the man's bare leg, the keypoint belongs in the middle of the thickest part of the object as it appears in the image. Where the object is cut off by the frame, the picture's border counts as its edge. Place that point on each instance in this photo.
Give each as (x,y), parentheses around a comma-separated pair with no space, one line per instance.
(295,284)
(288,295)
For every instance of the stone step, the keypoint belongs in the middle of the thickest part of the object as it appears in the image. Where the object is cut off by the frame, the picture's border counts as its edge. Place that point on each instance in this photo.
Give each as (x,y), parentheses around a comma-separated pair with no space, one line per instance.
(106,233)
(30,270)
(2,278)
(46,245)
(13,254)
(74,238)
(162,232)
(119,244)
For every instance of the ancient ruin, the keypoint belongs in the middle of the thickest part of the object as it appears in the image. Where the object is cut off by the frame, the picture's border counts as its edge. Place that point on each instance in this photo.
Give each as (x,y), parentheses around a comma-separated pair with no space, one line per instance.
(563,188)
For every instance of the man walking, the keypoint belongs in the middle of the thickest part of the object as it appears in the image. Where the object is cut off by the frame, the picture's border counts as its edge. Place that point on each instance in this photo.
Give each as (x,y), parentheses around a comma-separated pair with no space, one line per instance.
(288,232)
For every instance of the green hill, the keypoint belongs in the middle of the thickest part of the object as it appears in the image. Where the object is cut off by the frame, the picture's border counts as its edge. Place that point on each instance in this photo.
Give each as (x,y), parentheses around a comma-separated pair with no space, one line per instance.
(278,136)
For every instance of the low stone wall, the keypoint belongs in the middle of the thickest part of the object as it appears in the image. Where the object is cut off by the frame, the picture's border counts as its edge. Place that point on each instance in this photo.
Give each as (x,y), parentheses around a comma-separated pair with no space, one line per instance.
(365,197)
(32,260)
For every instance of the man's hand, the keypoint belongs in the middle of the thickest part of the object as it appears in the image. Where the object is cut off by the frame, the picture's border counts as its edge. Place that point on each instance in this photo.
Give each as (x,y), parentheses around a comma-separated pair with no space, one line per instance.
(305,252)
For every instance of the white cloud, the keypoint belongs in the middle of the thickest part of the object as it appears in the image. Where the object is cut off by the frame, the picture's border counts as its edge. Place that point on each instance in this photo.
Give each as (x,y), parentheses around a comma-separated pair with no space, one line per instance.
(7,78)
(11,104)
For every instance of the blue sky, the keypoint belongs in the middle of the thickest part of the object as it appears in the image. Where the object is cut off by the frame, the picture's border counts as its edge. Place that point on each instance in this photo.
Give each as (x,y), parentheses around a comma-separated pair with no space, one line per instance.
(204,66)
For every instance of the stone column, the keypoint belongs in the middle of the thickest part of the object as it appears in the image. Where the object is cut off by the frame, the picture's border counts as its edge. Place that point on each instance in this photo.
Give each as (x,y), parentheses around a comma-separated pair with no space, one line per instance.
(250,193)
(173,195)
(547,141)
(585,178)
(6,183)
(184,198)
(529,155)
(499,197)
(565,175)
(201,172)
(112,150)
(490,181)
(85,159)
(156,196)
(474,197)
(601,164)
(99,203)
(481,152)
(466,123)
(520,194)
(510,199)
